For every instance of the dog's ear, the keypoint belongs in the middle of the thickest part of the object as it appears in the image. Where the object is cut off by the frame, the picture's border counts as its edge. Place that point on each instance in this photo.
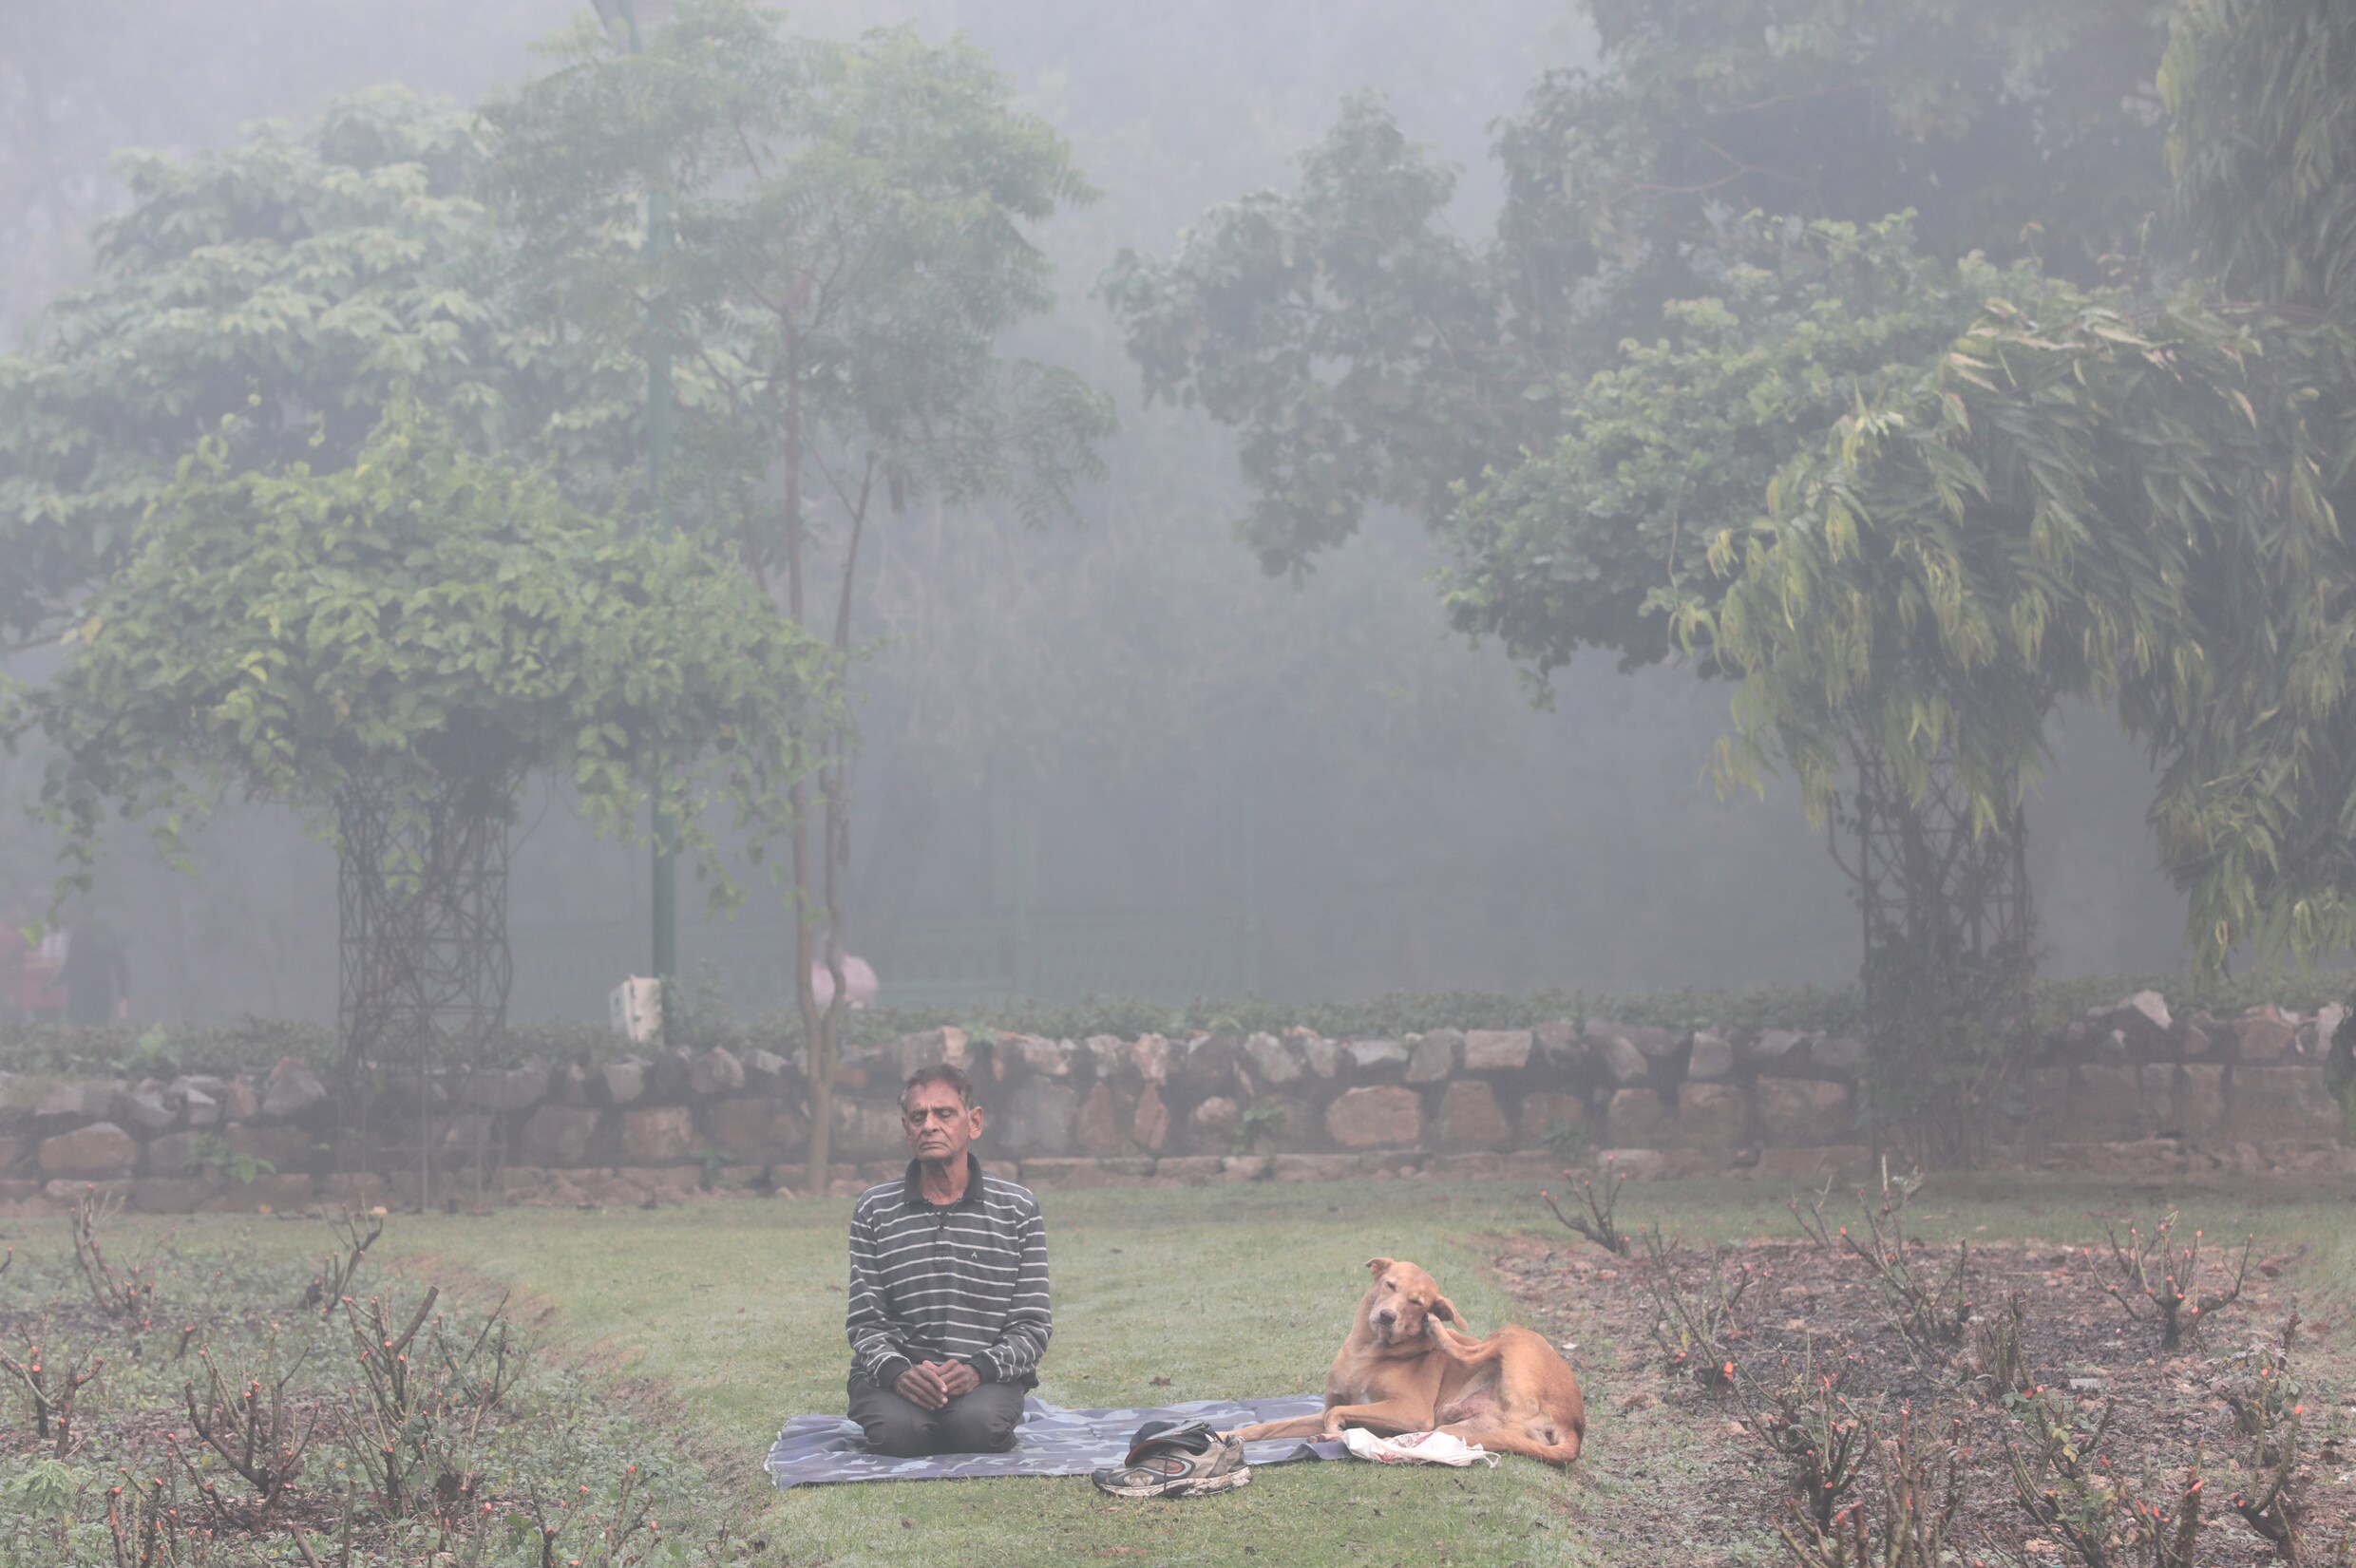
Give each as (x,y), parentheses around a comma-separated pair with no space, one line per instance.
(1445,1310)
(1378,1266)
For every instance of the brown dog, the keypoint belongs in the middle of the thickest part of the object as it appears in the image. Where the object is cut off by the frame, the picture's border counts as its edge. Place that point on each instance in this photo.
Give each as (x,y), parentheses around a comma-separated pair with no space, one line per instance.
(1404,1370)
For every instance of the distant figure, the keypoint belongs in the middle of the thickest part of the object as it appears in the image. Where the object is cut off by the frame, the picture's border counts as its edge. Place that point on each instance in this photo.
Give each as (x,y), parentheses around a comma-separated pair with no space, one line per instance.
(857,978)
(97,976)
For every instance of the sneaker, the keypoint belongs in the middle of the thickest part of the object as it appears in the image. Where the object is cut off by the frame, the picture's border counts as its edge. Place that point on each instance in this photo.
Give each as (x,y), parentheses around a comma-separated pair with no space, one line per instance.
(1176,1459)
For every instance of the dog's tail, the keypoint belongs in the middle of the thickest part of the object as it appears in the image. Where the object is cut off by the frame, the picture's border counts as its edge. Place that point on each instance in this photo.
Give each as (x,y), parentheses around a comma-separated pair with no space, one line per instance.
(1562,1452)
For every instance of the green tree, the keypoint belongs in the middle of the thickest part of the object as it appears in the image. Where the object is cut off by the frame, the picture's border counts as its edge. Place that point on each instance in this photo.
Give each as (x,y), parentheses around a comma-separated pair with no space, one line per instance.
(294,285)
(2138,500)
(1757,217)
(830,239)
(391,649)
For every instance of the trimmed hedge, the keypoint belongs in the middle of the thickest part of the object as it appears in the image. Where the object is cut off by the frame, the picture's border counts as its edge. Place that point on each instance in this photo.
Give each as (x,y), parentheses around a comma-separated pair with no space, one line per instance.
(161,1051)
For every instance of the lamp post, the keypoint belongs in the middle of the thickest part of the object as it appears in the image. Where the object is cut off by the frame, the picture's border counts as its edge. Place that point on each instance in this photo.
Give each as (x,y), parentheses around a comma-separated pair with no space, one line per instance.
(661,414)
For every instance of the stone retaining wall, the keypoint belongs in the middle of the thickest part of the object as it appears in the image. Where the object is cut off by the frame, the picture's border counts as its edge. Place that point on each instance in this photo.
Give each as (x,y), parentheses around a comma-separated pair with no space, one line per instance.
(2127,1088)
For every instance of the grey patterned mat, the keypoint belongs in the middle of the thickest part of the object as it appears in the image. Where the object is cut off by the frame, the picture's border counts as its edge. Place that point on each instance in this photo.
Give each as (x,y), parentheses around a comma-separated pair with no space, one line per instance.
(1051,1442)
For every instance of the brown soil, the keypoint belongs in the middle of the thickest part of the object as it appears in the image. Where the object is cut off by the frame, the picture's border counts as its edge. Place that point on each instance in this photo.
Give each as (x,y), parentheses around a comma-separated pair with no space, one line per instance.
(1703,1486)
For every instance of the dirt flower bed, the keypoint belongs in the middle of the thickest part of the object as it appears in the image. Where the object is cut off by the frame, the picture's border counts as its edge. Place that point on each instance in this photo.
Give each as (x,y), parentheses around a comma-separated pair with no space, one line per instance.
(194,1408)
(1852,1396)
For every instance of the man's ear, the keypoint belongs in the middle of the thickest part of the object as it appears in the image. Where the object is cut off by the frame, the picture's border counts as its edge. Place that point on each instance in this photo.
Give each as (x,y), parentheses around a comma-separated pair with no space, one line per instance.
(1445,1310)
(1378,1266)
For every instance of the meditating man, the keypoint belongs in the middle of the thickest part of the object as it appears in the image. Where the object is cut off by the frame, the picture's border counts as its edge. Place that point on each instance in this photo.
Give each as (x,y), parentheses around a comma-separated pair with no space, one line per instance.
(948,1295)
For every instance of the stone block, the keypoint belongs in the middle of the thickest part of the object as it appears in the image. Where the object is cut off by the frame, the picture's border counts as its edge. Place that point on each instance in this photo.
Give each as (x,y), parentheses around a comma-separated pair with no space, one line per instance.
(2143,1023)
(1436,1057)
(2279,1103)
(1151,1055)
(758,1130)
(1775,1051)
(1620,1059)
(1471,1119)
(2264,1037)
(98,1152)
(515,1089)
(1634,1164)
(1712,1056)
(1497,1050)
(2107,1104)
(1797,1112)
(168,1194)
(1051,1174)
(152,1110)
(1210,1064)
(202,1108)
(865,1129)
(716,1071)
(1562,1047)
(287,1148)
(1323,1056)
(66,1191)
(1654,1047)
(1376,1118)
(1548,1112)
(1838,1054)
(1039,1114)
(239,1101)
(19,1095)
(1636,1119)
(946,1046)
(1108,1057)
(765,1072)
(1375,1061)
(176,1153)
(621,1082)
(1211,1127)
(65,1103)
(1190,1170)
(1149,1127)
(12,1150)
(1317,1167)
(353,1189)
(658,1135)
(2199,1100)
(1106,1117)
(291,1092)
(1712,1116)
(1273,1061)
(559,1135)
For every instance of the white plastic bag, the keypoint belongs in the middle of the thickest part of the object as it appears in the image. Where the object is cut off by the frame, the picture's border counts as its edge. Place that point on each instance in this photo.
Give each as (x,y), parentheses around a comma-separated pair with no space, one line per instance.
(1415,1448)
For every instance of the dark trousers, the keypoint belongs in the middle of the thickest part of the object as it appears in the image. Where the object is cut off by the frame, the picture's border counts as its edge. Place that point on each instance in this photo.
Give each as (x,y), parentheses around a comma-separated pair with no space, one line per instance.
(980,1421)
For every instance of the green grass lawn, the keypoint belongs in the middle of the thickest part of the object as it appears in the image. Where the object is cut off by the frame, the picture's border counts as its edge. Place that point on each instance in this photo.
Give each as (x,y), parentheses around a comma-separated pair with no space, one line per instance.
(736,1308)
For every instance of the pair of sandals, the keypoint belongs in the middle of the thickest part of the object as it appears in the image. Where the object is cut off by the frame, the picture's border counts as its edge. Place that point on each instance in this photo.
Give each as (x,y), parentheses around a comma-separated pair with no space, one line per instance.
(1176,1459)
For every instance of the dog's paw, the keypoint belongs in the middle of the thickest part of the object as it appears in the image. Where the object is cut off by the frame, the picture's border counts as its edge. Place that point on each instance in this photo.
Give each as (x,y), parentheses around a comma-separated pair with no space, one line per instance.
(1331,1434)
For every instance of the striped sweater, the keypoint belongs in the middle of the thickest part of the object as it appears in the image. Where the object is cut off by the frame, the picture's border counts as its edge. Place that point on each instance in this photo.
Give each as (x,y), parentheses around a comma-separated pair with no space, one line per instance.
(964,1281)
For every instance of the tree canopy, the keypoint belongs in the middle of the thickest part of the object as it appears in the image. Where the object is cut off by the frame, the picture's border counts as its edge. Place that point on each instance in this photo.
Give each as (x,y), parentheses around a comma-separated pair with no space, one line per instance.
(429,626)
(2138,500)
(295,284)
(1501,392)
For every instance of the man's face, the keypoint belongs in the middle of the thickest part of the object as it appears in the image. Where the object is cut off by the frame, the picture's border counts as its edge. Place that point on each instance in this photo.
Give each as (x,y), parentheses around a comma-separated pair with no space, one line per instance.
(940,1125)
